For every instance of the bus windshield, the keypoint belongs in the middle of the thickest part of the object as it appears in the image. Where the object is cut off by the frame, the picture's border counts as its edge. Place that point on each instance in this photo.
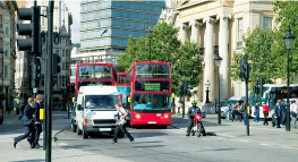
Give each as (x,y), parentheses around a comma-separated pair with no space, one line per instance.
(152,71)
(101,102)
(151,102)
(95,72)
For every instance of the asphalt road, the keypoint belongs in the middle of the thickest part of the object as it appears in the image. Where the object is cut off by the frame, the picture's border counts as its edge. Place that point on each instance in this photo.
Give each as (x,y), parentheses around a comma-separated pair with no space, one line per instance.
(172,145)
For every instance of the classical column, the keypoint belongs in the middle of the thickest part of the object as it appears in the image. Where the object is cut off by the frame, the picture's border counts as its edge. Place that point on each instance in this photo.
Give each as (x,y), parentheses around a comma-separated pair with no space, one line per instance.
(183,32)
(209,54)
(224,54)
(195,31)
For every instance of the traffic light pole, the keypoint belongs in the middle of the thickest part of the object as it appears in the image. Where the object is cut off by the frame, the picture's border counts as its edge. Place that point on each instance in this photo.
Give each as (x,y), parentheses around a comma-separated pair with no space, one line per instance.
(49,81)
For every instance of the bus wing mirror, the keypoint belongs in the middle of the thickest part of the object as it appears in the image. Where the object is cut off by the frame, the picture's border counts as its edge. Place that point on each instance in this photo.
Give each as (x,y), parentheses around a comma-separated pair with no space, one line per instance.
(79,107)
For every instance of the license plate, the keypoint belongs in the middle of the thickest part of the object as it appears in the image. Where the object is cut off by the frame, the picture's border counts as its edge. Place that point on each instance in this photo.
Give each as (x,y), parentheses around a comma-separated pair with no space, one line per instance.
(152,122)
(104,129)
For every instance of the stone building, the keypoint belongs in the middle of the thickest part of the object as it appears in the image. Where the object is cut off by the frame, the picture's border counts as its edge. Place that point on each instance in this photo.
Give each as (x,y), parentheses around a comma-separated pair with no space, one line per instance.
(7,50)
(222,24)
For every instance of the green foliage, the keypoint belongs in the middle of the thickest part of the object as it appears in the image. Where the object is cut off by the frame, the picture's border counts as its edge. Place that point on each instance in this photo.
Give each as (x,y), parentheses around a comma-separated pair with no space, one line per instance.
(235,66)
(258,46)
(287,17)
(186,64)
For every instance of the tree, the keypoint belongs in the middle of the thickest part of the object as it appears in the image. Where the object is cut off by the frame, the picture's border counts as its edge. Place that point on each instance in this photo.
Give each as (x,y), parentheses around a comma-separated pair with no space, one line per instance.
(287,17)
(186,66)
(235,65)
(159,45)
(162,44)
(258,46)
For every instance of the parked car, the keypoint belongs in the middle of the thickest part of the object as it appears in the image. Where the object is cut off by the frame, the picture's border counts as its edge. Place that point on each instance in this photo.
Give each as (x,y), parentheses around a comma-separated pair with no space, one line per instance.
(231,102)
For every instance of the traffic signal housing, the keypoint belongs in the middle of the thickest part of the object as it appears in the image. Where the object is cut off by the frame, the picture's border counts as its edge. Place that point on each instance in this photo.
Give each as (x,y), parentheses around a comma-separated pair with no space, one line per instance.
(55,64)
(68,88)
(30,32)
(72,88)
(38,72)
(244,68)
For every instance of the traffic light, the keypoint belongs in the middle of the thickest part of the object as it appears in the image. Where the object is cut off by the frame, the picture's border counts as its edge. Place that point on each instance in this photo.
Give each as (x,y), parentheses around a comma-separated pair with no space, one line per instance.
(244,68)
(55,64)
(37,72)
(72,88)
(68,88)
(185,86)
(29,31)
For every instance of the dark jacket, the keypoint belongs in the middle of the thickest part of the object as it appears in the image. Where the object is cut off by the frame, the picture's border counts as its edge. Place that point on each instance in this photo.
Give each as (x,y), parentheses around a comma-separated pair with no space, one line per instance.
(277,110)
(192,111)
(28,115)
(37,106)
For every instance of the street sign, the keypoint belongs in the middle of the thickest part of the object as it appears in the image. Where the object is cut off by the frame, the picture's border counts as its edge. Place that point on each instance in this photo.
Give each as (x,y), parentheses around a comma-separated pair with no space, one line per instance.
(34,90)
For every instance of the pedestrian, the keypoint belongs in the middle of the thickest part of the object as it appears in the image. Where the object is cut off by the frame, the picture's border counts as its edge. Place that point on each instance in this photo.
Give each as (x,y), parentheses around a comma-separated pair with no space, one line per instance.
(120,124)
(265,112)
(282,113)
(38,104)
(194,109)
(293,112)
(257,112)
(28,123)
(235,113)
(243,112)
(277,115)
(228,113)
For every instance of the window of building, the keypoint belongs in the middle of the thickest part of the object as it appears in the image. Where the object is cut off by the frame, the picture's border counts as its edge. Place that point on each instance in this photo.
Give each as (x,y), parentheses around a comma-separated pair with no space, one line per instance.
(267,23)
(6,71)
(239,32)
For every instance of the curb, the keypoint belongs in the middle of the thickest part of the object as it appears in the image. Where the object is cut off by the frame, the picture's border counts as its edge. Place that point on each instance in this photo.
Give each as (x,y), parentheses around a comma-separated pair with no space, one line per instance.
(58,132)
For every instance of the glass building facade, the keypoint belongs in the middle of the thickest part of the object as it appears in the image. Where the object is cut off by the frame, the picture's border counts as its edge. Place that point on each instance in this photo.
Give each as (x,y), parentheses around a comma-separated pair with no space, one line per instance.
(107,24)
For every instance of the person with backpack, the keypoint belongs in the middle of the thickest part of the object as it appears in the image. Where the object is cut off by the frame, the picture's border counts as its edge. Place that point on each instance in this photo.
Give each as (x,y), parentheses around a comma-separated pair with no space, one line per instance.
(120,116)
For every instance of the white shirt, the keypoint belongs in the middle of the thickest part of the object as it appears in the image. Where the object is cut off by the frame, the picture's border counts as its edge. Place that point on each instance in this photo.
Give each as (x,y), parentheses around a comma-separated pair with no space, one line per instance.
(294,108)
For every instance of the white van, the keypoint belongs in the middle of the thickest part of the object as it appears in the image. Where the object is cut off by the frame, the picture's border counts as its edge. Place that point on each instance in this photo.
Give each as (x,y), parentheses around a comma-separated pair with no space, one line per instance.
(95,109)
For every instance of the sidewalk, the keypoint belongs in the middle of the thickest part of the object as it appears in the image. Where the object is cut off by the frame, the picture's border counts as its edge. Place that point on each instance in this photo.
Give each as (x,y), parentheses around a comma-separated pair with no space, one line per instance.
(258,133)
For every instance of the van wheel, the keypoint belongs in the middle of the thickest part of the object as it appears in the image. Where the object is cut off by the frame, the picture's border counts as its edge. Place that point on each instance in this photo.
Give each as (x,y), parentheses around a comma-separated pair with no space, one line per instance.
(79,131)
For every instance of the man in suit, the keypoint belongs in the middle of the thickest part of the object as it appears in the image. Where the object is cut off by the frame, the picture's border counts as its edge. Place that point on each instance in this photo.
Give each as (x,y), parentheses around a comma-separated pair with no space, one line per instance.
(38,125)
(277,114)
(29,123)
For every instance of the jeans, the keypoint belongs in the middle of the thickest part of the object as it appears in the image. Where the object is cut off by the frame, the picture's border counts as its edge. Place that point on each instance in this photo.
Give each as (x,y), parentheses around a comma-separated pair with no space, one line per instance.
(257,117)
(293,121)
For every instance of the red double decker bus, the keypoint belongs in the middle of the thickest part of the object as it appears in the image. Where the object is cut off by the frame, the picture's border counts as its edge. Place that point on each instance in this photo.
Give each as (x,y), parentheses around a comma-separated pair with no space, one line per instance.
(150,95)
(94,73)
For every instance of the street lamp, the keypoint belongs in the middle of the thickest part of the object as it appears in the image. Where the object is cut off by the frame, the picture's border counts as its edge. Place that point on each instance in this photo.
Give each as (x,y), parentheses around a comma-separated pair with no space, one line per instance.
(289,39)
(217,61)
(207,84)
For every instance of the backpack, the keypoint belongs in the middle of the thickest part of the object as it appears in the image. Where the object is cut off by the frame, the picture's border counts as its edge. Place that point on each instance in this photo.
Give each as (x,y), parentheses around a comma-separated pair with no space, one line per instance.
(128,114)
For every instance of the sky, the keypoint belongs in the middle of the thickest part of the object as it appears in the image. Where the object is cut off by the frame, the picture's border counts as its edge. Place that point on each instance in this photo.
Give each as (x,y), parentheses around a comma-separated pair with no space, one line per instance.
(74,7)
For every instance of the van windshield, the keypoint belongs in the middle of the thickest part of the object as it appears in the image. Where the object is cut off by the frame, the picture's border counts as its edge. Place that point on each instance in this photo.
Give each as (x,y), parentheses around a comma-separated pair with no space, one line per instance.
(101,102)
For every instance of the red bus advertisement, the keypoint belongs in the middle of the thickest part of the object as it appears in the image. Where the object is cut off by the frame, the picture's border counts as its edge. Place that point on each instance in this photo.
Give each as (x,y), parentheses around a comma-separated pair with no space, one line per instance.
(150,95)
(94,73)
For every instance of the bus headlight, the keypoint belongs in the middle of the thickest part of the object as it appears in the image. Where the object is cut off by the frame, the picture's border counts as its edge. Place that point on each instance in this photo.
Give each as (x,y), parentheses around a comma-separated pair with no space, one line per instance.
(166,116)
(138,116)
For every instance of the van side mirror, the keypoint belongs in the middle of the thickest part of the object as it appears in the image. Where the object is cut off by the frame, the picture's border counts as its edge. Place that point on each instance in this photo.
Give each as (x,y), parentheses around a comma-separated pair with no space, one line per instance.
(79,107)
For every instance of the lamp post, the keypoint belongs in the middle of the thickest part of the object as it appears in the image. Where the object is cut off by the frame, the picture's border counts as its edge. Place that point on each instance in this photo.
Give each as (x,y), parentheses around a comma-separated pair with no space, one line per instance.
(289,39)
(207,84)
(217,61)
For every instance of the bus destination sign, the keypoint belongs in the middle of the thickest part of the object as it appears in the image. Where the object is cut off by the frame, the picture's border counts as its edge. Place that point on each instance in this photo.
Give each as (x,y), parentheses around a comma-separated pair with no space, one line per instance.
(152,86)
